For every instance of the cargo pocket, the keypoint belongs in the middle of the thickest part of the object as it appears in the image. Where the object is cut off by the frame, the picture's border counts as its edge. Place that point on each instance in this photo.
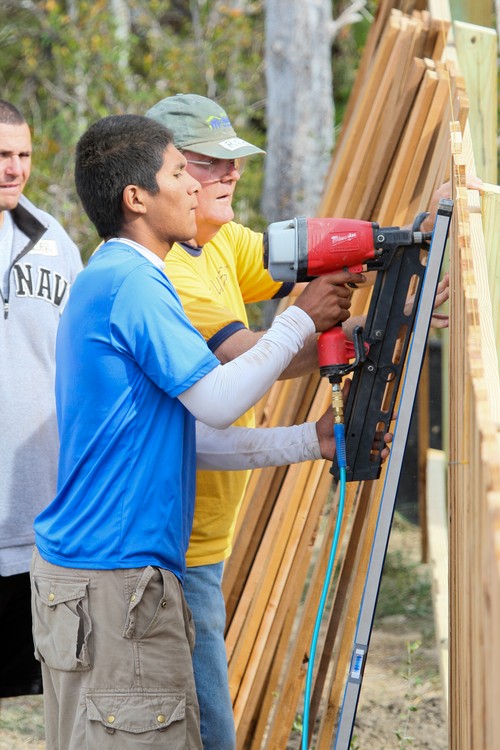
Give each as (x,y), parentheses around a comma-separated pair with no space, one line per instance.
(146,602)
(129,720)
(61,623)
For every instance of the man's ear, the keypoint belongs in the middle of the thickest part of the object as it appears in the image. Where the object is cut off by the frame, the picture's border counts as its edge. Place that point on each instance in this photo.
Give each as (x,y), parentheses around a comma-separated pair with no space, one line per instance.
(132,198)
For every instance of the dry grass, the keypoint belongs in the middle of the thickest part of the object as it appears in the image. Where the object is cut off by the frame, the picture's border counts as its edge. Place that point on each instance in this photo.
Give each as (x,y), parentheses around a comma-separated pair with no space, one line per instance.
(21,723)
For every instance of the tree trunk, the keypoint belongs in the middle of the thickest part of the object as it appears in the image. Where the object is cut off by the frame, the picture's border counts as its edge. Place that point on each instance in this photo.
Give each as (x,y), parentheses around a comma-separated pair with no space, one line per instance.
(299,105)
(122,15)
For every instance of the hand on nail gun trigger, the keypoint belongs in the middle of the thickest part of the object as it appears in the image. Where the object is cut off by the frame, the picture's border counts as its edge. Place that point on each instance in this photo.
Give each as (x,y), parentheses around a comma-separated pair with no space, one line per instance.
(327,299)
(303,248)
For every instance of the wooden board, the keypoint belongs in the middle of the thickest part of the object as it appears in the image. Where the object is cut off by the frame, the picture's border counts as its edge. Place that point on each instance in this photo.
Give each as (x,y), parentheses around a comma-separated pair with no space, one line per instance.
(393,153)
(477,56)
(474,478)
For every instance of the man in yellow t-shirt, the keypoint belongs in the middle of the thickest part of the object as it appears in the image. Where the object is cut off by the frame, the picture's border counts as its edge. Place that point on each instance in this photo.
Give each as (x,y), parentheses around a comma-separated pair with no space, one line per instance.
(216,275)
(215,282)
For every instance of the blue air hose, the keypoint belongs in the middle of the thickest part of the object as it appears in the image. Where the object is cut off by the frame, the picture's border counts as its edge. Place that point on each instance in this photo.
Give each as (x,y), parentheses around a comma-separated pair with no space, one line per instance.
(339,434)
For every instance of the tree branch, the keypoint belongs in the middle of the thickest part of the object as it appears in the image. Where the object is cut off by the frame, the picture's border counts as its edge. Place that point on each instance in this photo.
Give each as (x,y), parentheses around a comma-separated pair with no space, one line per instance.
(352,14)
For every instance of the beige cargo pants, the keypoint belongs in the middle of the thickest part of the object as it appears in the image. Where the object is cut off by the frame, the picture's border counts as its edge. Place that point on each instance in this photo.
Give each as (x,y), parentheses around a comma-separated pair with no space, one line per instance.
(115,648)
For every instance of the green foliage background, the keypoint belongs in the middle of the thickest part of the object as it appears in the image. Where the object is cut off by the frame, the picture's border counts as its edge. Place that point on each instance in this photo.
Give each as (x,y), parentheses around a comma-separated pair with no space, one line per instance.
(65,63)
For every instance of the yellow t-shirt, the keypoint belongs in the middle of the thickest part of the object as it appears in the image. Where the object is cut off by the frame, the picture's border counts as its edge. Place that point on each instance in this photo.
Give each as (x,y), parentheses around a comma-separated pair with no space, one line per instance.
(214,283)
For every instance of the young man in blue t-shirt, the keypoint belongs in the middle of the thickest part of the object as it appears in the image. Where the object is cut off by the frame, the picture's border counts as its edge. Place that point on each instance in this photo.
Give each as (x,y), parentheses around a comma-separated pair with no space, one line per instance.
(111,625)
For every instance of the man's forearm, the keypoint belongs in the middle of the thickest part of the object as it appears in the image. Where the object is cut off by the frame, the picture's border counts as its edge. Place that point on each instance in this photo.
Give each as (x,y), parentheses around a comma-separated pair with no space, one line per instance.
(230,389)
(238,448)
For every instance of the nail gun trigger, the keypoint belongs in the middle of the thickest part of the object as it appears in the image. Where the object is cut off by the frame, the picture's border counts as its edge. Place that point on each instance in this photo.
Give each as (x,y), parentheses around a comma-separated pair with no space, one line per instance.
(354,269)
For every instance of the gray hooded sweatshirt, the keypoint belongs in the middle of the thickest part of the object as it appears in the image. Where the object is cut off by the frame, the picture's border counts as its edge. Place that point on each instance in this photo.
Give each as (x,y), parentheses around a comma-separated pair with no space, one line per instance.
(35,282)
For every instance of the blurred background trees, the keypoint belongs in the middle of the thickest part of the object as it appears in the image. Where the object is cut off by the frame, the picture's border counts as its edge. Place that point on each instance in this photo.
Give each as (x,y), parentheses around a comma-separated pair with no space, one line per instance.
(65,63)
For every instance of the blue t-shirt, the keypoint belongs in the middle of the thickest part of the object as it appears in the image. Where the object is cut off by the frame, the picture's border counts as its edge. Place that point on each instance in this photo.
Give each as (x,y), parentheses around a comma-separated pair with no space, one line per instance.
(126,483)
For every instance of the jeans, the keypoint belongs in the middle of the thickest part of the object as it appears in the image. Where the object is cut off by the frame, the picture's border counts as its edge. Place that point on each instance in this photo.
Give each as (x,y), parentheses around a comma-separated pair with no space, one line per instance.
(202,589)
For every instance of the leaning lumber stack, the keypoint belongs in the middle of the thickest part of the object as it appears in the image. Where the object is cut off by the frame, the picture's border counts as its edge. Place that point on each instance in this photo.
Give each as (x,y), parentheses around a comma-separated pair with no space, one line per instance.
(393,153)
(381,166)
(474,475)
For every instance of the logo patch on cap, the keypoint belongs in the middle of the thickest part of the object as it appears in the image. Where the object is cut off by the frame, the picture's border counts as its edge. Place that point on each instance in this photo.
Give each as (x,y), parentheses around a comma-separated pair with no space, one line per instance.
(215,123)
(233,144)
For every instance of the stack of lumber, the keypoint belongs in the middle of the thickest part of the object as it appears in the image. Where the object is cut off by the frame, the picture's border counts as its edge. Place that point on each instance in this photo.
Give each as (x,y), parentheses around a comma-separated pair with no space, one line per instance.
(474,475)
(393,153)
(397,124)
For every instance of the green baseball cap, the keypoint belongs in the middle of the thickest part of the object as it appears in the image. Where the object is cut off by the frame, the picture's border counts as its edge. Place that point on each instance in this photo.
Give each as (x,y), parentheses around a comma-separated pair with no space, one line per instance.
(202,126)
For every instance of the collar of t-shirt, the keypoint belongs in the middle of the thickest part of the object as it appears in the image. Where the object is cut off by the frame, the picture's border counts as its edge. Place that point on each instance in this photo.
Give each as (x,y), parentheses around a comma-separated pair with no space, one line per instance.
(148,254)
(194,251)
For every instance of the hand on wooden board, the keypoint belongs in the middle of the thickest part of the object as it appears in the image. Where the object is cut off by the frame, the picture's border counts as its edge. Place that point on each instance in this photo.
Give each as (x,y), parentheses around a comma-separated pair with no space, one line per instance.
(444,191)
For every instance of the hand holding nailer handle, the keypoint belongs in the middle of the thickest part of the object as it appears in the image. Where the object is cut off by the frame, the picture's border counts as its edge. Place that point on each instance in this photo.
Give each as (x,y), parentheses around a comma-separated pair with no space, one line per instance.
(327,299)
(324,430)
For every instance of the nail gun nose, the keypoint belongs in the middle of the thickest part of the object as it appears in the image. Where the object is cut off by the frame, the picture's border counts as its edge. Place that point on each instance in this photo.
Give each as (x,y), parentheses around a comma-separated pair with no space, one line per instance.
(391,237)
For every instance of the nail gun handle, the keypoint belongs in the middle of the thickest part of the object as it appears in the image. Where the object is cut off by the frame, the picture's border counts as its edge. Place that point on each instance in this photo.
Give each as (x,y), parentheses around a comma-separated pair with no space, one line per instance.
(336,352)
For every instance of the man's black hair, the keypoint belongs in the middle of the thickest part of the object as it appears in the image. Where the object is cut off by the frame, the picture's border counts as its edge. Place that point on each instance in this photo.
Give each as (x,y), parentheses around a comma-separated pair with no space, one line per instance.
(114,152)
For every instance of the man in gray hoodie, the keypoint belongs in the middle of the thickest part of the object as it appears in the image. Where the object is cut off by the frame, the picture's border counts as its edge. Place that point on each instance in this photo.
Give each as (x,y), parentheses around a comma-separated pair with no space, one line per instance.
(38,263)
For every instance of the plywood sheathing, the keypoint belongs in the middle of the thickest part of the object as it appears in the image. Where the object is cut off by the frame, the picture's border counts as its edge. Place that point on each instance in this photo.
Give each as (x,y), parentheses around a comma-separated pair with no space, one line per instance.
(474,476)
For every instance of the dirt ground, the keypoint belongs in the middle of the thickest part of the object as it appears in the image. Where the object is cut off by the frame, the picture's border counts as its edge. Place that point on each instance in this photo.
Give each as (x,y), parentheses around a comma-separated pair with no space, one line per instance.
(21,723)
(401,703)
(397,711)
